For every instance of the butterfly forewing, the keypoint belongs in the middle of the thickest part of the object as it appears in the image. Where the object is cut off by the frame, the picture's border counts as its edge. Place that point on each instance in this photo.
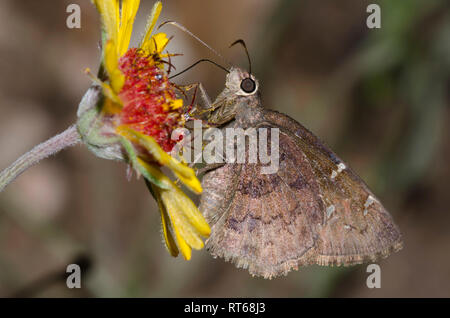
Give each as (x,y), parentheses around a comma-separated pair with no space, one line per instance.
(358,228)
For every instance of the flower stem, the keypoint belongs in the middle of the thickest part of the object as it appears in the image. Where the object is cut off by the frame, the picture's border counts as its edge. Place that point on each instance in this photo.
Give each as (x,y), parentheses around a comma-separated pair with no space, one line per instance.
(67,138)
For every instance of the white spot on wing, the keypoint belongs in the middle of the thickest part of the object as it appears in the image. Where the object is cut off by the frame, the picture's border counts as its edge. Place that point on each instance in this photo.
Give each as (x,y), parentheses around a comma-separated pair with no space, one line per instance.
(370,200)
(347,227)
(340,167)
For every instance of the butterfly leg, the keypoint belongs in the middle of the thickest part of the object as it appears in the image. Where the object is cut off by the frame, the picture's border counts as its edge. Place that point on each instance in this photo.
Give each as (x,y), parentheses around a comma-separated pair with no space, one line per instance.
(207,104)
(203,95)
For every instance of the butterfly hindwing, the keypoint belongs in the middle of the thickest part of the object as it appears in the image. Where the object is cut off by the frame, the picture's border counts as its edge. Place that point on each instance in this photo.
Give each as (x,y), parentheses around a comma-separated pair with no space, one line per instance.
(263,222)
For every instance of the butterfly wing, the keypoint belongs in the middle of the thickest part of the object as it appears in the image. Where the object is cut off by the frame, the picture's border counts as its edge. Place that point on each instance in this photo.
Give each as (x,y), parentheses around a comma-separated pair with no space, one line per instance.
(313,210)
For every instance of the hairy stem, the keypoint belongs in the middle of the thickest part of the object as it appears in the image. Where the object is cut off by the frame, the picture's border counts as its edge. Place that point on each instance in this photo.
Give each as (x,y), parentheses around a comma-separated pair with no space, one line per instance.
(67,138)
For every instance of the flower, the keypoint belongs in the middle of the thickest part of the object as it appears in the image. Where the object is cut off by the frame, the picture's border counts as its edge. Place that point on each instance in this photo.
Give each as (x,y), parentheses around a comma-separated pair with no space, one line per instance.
(133,115)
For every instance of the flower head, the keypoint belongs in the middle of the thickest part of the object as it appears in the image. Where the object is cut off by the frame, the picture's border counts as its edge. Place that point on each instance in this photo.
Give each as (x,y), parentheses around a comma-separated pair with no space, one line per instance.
(135,112)
(150,108)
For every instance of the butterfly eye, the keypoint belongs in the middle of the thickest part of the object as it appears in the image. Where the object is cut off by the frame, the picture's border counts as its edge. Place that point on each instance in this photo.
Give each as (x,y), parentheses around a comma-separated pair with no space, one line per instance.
(248,85)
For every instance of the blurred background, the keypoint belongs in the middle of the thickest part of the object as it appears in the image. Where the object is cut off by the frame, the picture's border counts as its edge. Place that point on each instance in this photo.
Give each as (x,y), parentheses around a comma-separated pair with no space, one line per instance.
(378,97)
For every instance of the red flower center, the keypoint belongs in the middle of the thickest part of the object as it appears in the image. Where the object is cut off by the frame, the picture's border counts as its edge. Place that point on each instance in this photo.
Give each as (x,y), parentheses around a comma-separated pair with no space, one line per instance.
(147,96)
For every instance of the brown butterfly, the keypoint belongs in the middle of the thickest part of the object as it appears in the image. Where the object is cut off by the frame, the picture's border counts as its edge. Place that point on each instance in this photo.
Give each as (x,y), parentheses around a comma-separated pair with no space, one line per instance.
(313,210)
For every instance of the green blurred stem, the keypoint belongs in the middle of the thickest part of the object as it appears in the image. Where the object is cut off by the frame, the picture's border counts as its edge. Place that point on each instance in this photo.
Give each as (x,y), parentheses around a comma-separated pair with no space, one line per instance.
(67,138)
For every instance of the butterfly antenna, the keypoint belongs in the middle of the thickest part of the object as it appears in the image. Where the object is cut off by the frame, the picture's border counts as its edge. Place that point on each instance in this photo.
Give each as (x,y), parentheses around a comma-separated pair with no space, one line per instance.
(184,29)
(198,62)
(241,42)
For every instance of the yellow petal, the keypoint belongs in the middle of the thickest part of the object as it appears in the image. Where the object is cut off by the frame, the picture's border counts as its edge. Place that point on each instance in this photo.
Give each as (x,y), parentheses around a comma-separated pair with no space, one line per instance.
(128,14)
(170,242)
(160,40)
(183,172)
(187,222)
(180,222)
(109,11)
(156,44)
(165,220)
(154,15)
(184,248)
(191,182)
(116,78)
(185,216)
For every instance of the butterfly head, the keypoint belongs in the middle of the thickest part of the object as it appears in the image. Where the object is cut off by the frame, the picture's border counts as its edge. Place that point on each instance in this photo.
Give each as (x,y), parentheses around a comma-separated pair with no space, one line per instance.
(241,94)
(241,83)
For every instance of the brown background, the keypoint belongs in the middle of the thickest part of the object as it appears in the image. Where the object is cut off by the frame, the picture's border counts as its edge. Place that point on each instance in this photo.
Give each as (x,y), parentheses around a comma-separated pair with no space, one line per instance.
(379,98)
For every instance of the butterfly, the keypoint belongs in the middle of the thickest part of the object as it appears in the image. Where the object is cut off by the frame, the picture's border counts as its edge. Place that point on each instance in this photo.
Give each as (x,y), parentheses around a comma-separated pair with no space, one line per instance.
(313,210)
